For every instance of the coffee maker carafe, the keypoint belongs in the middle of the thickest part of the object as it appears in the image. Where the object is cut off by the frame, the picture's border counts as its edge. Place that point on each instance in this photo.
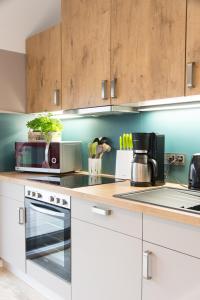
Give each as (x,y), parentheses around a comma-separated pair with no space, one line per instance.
(148,159)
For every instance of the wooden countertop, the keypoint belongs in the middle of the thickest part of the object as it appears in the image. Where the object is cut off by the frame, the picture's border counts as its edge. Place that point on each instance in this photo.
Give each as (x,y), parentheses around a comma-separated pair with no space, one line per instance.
(104,194)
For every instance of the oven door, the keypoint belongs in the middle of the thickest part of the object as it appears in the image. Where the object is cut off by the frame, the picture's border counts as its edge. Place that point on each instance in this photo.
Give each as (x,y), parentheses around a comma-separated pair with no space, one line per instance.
(48,237)
(38,156)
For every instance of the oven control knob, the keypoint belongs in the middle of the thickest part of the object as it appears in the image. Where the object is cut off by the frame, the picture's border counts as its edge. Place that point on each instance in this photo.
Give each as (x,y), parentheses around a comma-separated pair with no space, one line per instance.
(51,199)
(64,202)
(39,195)
(58,200)
(29,193)
(33,194)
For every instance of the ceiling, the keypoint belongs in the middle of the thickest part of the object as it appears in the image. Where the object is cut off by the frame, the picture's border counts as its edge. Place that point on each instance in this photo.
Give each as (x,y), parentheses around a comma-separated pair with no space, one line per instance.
(22,18)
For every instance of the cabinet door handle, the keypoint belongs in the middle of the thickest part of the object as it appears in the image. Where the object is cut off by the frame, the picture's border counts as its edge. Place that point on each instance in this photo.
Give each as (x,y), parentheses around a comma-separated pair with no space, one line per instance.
(101,211)
(113,88)
(190,69)
(104,89)
(21,215)
(147,265)
(56,97)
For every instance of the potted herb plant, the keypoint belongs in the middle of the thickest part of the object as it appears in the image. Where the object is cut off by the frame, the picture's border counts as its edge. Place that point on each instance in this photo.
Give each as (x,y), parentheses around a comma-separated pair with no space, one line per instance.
(45,128)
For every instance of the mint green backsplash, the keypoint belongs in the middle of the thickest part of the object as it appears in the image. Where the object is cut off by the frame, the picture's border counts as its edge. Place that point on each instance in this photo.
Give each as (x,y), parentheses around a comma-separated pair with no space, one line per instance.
(181,129)
(12,128)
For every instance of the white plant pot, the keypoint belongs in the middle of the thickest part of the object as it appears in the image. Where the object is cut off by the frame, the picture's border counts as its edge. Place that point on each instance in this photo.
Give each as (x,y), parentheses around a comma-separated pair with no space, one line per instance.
(35,136)
(94,166)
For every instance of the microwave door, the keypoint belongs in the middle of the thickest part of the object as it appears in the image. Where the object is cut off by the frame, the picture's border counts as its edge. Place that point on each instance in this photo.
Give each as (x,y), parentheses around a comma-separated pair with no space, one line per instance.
(30,155)
(38,157)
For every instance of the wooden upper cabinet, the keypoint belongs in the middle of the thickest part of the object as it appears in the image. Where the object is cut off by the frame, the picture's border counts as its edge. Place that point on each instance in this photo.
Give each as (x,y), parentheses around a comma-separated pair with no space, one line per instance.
(148,49)
(193,48)
(44,71)
(85,53)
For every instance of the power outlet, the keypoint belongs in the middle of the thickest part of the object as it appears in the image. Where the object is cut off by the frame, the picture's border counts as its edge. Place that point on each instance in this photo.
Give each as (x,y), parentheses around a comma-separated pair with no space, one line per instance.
(175,159)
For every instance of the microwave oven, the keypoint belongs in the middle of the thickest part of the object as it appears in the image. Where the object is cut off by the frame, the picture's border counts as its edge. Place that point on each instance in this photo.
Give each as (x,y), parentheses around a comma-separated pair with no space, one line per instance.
(56,157)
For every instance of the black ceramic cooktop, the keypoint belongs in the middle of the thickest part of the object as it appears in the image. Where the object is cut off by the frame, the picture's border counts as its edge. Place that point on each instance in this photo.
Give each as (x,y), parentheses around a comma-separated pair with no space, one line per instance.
(74,180)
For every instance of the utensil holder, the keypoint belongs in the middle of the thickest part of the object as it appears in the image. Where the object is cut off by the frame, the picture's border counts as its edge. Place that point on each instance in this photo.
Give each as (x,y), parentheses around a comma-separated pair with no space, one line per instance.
(94,166)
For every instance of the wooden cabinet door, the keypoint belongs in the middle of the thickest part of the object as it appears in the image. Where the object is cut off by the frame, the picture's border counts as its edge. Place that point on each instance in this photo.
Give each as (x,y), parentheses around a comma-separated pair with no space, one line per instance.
(12,234)
(85,52)
(148,49)
(174,275)
(106,265)
(44,71)
(193,48)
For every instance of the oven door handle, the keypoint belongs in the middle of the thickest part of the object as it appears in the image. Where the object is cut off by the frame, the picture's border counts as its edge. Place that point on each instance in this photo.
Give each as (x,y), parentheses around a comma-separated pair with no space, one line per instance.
(46,211)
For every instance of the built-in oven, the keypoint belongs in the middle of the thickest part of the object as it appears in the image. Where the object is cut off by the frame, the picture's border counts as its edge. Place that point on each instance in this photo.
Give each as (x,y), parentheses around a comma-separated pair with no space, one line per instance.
(48,231)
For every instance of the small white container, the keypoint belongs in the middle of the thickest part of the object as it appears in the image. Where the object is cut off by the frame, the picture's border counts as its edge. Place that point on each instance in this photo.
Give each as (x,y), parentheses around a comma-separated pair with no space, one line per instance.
(94,166)
(124,159)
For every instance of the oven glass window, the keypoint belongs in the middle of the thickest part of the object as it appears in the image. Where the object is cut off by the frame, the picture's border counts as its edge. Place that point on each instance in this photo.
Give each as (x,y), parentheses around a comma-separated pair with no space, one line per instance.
(48,240)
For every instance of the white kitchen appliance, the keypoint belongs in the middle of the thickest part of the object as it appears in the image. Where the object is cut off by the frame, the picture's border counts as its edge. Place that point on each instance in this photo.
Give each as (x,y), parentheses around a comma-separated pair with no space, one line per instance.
(58,157)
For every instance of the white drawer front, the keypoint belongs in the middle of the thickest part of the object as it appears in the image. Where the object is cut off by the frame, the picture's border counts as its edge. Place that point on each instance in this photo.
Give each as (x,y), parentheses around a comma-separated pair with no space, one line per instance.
(12,190)
(113,218)
(173,235)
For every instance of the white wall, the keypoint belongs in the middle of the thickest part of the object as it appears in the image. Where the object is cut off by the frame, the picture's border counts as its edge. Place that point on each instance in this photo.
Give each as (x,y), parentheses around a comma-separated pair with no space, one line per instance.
(22,18)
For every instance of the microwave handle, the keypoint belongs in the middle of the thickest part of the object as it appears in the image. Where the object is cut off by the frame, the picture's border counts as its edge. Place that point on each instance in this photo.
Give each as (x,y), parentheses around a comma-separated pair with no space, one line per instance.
(45,211)
(47,153)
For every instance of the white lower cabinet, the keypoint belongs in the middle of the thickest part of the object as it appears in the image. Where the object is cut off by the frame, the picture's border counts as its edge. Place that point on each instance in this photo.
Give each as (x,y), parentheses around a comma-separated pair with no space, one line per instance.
(12,232)
(172,275)
(106,265)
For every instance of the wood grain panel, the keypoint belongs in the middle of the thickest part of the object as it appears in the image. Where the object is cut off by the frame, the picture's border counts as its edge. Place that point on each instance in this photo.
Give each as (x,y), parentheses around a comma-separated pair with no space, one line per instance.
(85,52)
(12,82)
(43,70)
(148,49)
(193,44)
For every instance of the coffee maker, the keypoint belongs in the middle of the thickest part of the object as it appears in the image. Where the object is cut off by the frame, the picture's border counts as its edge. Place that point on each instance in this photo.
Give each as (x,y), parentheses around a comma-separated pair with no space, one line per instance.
(148,159)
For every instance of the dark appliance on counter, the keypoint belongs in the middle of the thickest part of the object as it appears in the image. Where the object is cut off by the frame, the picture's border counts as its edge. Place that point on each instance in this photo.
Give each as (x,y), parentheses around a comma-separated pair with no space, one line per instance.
(194,172)
(56,157)
(148,159)
(48,231)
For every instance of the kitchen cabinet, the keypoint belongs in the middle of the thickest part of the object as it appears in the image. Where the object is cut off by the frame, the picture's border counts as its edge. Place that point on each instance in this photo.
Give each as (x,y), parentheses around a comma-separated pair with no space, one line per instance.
(85,53)
(193,48)
(43,71)
(106,265)
(106,252)
(172,235)
(12,225)
(12,86)
(147,49)
(142,43)
(172,275)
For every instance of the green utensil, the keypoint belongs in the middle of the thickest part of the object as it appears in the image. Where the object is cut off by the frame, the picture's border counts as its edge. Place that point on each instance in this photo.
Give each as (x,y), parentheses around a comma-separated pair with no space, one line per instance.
(127,141)
(90,150)
(130,141)
(120,143)
(94,149)
(124,141)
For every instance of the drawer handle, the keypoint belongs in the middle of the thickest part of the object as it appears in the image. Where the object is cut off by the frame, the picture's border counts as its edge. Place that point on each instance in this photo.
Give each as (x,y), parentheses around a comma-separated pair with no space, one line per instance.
(190,69)
(101,211)
(21,215)
(147,265)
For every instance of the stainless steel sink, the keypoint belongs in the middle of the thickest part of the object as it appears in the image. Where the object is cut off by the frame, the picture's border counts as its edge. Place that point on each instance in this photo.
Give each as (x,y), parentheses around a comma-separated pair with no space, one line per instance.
(186,200)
